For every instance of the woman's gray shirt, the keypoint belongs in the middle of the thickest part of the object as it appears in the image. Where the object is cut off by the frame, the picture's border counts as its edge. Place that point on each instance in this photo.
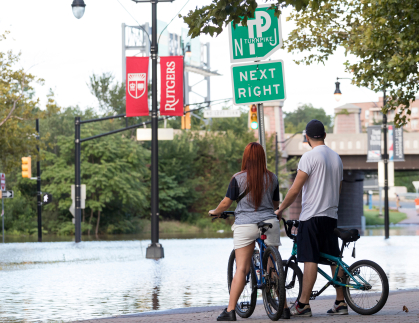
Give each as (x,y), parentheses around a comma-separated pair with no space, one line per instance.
(245,211)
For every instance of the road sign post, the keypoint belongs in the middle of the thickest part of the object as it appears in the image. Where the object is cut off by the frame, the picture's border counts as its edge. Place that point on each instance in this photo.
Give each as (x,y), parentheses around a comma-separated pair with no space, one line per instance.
(2,181)
(258,82)
(4,195)
(259,39)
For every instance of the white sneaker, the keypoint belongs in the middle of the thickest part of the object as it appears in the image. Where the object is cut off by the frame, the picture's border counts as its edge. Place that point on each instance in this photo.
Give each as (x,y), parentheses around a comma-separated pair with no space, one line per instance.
(341,309)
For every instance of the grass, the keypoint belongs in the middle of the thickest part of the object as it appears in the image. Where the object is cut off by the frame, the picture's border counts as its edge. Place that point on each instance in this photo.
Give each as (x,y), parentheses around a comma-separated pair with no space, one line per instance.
(373,217)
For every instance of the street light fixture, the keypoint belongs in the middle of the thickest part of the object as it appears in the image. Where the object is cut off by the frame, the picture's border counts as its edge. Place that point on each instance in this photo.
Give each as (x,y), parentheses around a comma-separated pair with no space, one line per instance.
(338,93)
(78,7)
(188,51)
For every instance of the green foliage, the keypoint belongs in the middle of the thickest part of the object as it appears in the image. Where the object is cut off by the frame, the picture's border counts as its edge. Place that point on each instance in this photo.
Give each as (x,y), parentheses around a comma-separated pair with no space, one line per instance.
(297,120)
(372,217)
(405,178)
(382,36)
(18,111)
(194,170)
(213,18)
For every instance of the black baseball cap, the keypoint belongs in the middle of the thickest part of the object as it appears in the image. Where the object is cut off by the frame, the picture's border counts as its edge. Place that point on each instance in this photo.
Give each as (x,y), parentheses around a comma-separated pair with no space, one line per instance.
(315,129)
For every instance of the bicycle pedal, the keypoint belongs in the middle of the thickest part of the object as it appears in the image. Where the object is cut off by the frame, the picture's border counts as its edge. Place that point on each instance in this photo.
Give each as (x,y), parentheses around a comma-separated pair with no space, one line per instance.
(313,295)
(244,305)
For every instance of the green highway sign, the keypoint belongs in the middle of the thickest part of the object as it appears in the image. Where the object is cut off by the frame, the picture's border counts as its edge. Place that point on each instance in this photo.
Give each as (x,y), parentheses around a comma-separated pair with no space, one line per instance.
(259,39)
(258,82)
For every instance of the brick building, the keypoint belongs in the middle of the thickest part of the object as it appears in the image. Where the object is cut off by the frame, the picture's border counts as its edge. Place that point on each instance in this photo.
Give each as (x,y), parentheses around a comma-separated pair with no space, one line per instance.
(370,114)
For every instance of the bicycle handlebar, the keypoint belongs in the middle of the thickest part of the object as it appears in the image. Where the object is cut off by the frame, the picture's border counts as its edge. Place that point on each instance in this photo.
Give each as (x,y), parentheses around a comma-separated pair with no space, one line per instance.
(223,215)
(288,227)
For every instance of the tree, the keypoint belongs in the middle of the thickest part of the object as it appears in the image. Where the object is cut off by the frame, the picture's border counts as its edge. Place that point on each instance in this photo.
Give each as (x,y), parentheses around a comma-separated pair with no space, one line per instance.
(297,120)
(18,111)
(212,19)
(382,36)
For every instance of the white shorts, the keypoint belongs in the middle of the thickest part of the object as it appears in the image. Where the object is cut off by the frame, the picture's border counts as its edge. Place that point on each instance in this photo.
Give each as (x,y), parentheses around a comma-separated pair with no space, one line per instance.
(245,234)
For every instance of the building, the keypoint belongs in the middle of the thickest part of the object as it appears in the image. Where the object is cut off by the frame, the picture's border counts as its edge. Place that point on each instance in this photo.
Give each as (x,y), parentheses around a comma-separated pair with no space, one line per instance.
(370,114)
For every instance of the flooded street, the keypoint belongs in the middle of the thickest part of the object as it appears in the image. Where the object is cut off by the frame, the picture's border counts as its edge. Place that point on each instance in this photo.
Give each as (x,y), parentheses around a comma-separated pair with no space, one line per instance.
(67,281)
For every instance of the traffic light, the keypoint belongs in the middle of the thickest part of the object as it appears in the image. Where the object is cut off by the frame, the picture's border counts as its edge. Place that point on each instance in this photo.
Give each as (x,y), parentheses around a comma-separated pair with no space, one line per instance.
(26,167)
(186,119)
(253,117)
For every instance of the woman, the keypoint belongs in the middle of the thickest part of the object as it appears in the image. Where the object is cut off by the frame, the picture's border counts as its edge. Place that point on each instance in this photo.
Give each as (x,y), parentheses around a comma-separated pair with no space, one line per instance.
(259,192)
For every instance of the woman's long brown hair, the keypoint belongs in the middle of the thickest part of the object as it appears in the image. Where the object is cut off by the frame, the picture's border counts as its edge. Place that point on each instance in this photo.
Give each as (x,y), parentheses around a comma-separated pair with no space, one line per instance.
(259,179)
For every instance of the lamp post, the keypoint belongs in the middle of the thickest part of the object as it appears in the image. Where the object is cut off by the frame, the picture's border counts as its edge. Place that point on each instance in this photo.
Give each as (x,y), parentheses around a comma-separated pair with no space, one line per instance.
(384,156)
(155,249)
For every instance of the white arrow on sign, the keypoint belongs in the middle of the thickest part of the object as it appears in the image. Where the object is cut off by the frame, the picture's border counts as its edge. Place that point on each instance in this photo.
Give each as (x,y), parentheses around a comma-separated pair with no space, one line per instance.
(8,194)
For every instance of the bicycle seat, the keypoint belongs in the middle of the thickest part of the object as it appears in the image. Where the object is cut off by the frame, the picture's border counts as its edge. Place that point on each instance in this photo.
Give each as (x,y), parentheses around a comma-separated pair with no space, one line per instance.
(263,224)
(347,235)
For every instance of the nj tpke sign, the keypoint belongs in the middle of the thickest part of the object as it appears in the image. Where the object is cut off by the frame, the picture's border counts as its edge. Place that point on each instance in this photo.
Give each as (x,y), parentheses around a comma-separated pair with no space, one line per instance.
(259,39)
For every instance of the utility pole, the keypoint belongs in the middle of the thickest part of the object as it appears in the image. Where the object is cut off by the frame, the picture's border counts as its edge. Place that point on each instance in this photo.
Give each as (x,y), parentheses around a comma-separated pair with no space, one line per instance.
(38,186)
(385,159)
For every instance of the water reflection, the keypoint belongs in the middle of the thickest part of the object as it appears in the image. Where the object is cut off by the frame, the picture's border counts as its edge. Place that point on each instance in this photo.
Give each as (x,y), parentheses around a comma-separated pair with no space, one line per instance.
(68,281)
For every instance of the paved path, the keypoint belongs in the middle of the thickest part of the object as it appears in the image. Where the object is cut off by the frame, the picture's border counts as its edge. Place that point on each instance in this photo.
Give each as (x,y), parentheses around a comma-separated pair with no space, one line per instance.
(392,312)
(412,216)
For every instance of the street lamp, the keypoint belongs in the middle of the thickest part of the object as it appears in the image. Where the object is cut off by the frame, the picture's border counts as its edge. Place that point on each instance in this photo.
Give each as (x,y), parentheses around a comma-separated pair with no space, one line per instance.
(338,93)
(78,7)
(188,51)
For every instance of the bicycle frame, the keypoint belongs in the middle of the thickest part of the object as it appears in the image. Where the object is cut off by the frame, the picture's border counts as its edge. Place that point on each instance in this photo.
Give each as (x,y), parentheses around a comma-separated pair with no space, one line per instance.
(331,281)
(261,281)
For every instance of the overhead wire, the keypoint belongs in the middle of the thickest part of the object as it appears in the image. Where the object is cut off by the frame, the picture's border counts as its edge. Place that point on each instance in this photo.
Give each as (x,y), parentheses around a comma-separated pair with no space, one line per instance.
(172,20)
(136,21)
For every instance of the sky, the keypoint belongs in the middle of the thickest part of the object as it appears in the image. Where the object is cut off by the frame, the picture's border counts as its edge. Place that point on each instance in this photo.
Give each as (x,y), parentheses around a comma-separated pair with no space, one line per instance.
(65,51)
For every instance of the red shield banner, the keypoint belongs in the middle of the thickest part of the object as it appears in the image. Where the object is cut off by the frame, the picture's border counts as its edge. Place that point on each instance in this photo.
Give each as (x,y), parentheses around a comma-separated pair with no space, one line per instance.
(171,103)
(136,87)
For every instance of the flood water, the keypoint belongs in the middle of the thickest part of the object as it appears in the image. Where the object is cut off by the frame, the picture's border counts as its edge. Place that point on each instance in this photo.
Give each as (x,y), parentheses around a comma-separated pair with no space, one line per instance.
(65,281)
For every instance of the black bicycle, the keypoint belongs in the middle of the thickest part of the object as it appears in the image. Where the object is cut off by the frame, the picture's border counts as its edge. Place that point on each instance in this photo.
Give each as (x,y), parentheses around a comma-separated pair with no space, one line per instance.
(267,275)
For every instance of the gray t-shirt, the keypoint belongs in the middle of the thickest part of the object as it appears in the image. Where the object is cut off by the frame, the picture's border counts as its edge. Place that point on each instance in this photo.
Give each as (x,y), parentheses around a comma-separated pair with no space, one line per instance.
(321,190)
(245,211)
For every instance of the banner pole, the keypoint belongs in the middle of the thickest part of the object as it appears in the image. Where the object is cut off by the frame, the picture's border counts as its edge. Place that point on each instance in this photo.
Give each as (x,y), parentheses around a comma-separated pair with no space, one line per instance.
(155,249)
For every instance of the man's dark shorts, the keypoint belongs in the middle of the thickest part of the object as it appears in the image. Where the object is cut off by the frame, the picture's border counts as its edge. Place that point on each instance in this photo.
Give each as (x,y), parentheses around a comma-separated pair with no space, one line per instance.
(314,236)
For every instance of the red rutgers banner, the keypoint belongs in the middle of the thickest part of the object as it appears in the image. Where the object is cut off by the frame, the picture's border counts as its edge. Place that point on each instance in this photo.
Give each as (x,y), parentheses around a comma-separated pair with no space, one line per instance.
(136,87)
(171,103)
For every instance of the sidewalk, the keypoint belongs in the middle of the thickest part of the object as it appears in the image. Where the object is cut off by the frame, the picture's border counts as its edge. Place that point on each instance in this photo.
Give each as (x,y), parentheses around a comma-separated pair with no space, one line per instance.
(392,312)
(412,216)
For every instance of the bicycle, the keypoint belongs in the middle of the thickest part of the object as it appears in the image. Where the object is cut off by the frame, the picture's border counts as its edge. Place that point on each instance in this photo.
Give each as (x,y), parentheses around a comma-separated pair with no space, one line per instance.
(267,275)
(364,283)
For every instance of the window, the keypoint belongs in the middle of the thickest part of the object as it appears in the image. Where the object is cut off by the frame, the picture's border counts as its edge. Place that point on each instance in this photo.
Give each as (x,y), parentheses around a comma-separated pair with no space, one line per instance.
(414,124)
(414,111)
(367,114)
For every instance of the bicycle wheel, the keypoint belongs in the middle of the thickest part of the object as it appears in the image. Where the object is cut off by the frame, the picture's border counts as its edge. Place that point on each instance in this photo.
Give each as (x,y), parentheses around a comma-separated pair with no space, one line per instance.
(293,281)
(274,290)
(374,297)
(247,301)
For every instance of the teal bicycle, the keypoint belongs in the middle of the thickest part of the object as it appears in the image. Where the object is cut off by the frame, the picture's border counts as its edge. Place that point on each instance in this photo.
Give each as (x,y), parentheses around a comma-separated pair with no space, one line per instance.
(365,285)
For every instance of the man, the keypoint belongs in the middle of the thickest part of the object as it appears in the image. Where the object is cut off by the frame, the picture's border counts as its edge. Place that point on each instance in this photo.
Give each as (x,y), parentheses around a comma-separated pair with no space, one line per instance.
(319,176)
